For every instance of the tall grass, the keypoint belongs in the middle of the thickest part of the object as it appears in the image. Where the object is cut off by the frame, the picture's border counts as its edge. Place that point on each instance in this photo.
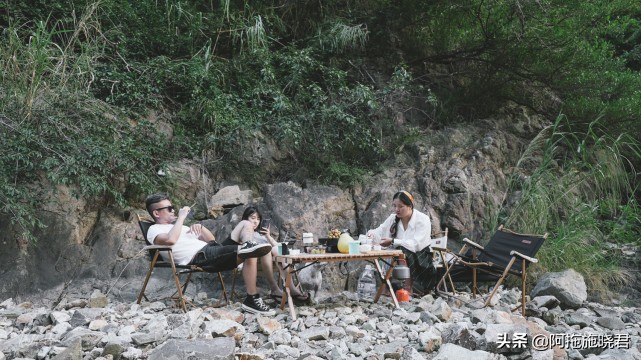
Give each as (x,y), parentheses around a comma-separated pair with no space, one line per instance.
(52,130)
(341,37)
(580,189)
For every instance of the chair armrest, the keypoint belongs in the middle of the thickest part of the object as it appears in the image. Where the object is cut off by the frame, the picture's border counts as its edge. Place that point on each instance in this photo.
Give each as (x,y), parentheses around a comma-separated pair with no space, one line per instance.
(157,247)
(472,243)
(518,254)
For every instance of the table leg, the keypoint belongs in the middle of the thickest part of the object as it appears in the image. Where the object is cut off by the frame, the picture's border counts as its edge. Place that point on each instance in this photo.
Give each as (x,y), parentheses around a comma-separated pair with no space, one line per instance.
(386,281)
(286,290)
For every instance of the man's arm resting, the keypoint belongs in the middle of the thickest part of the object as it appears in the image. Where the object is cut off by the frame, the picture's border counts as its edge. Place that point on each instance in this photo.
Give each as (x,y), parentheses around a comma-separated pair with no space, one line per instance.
(171,237)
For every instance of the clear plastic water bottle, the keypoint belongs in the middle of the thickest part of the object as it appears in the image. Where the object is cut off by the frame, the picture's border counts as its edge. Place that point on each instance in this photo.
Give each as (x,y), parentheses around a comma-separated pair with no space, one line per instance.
(366,288)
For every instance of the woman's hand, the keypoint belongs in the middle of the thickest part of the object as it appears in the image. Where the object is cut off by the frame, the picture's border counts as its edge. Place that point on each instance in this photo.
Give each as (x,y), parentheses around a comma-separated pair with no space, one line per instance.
(386,242)
(267,234)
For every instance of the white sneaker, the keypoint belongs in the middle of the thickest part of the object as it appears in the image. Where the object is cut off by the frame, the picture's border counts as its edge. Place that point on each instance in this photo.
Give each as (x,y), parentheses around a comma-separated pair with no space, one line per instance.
(253,250)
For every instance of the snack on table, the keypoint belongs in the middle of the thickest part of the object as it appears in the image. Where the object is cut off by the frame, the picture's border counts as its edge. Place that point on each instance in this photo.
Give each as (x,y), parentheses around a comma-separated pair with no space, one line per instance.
(334,234)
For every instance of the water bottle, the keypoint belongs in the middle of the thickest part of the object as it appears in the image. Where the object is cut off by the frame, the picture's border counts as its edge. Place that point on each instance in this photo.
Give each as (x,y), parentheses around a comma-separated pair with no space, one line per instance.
(366,289)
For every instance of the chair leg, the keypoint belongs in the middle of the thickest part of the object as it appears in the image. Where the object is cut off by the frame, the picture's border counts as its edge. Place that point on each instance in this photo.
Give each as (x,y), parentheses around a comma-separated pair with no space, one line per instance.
(447,271)
(474,287)
(186,283)
(178,287)
(222,285)
(151,269)
(233,283)
(523,279)
(498,283)
(442,284)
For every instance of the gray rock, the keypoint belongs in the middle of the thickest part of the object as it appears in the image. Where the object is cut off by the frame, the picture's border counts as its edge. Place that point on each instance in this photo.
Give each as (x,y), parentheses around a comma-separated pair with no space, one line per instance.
(205,349)
(72,352)
(547,301)
(611,323)
(441,310)
(567,286)
(281,337)
(98,300)
(576,318)
(631,317)
(316,333)
(82,317)
(113,349)
(392,350)
(89,339)
(472,340)
(148,338)
(551,317)
(451,351)
(430,340)
(409,353)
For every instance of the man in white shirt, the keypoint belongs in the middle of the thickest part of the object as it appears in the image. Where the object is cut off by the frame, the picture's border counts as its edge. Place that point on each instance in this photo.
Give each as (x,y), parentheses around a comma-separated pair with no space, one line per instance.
(195,245)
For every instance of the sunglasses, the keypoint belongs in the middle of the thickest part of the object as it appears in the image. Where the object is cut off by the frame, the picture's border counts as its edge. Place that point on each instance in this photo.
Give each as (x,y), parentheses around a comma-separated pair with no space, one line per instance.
(169,208)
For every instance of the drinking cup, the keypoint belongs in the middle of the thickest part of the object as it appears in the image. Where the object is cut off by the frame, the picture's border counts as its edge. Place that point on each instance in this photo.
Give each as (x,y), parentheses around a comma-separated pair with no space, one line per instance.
(353,247)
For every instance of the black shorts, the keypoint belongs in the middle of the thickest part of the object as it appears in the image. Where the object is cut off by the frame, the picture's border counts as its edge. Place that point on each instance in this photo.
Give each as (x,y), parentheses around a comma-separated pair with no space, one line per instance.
(214,257)
(230,242)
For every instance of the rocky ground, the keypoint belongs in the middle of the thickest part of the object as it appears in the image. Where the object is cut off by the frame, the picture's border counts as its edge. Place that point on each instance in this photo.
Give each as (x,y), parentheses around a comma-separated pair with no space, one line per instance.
(337,326)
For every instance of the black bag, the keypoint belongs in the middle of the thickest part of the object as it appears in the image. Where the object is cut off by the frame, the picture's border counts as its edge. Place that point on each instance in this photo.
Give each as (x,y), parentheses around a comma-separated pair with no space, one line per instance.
(422,271)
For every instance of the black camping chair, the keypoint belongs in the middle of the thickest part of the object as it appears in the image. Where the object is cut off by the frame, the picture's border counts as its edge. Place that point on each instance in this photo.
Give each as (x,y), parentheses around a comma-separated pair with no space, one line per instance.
(157,261)
(493,262)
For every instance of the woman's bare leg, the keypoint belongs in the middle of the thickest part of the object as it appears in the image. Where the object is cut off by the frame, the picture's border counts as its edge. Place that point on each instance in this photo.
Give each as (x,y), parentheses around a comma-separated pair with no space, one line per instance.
(266,262)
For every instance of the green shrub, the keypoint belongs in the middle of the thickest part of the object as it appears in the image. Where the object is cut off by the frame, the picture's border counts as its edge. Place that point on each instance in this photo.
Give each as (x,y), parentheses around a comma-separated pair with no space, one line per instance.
(579,189)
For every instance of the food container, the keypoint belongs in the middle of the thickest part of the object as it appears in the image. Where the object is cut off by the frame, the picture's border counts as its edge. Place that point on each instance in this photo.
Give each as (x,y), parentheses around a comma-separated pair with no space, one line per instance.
(317,250)
(365,248)
(308,239)
(331,244)
(294,252)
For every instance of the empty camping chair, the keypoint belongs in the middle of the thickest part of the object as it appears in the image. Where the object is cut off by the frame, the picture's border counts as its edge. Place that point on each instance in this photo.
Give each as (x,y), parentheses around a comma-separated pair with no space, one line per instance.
(438,244)
(157,261)
(494,261)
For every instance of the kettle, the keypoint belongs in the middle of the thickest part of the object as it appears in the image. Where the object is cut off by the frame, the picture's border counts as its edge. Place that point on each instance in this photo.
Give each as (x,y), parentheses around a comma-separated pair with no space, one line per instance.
(401,272)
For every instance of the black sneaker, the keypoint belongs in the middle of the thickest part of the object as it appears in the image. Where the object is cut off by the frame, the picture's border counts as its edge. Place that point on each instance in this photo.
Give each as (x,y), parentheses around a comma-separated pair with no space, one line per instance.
(254,304)
(253,250)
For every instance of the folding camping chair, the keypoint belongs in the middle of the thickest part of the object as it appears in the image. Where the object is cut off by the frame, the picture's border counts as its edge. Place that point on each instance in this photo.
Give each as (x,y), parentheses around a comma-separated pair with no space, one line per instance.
(494,261)
(438,244)
(157,261)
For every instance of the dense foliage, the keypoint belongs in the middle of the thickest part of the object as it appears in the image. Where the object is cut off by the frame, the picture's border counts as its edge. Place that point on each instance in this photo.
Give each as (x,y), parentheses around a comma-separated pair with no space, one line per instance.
(80,78)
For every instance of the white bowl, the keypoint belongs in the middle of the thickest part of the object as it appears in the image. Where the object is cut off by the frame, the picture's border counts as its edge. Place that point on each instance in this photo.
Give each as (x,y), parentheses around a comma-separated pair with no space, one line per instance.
(294,252)
(365,248)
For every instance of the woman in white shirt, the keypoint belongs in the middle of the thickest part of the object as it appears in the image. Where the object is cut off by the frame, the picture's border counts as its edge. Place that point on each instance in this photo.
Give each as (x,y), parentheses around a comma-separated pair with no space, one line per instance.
(410,230)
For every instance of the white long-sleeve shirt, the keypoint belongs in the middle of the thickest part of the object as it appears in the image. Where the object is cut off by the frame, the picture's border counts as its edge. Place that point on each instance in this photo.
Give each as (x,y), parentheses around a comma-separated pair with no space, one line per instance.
(417,235)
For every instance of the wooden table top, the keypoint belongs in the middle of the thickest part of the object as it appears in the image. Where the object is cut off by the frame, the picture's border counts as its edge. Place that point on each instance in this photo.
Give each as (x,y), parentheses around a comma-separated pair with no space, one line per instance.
(304,257)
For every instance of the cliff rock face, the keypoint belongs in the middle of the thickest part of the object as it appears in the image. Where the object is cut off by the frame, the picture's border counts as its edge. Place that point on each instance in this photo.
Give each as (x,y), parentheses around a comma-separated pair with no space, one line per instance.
(457,175)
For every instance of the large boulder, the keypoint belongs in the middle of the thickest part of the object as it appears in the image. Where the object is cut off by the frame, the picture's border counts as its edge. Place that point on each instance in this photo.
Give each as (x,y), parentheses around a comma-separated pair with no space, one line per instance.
(315,209)
(59,249)
(567,286)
